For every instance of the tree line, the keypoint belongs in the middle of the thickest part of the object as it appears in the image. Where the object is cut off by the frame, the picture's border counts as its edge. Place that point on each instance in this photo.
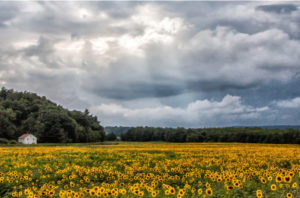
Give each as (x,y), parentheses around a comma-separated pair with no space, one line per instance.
(229,134)
(117,130)
(25,112)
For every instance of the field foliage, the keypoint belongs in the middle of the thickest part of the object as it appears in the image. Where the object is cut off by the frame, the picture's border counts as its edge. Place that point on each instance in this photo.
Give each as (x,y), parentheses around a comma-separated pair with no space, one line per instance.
(151,170)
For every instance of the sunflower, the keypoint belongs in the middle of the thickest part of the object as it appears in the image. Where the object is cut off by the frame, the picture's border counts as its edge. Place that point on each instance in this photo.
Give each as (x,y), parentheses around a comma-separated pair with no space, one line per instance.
(51,192)
(278,178)
(263,180)
(61,194)
(98,193)
(181,192)
(273,187)
(172,191)
(14,194)
(229,188)
(207,185)
(236,184)
(295,185)
(270,178)
(193,190)
(123,191)
(289,195)
(167,192)
(92,193)
(153,194)
(102,190)
(209,192)
(199,191)
(288,179)
(259,194)
(141,193)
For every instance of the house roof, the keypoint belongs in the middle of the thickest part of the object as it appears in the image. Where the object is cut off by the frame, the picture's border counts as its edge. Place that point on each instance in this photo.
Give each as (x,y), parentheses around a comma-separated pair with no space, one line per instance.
(24,135)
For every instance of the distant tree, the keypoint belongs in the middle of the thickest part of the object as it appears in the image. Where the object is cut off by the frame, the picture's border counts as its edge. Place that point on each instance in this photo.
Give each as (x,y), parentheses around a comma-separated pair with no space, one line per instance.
(250,135)
(110,137)
(7,128)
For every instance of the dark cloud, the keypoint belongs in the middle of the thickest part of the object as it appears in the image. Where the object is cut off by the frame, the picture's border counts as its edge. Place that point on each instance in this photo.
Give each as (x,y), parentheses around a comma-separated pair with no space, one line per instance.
(43,47)
(219,85)
(117,9)
(7,13)
(278,8)
(126,91)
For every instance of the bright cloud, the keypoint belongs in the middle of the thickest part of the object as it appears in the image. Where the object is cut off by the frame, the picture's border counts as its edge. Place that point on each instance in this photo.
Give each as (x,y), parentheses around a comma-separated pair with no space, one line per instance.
(204,112)
(292,103)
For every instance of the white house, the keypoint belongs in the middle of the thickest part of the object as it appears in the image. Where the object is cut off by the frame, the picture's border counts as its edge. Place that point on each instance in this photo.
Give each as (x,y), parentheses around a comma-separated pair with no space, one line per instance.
(27,139)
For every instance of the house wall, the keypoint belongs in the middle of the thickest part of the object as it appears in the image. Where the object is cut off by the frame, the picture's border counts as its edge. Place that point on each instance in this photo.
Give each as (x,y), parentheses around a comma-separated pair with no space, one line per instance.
(30,139)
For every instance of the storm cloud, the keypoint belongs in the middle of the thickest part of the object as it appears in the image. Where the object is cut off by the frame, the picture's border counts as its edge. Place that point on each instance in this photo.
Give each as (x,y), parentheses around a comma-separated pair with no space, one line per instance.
(189,64)
(278,9)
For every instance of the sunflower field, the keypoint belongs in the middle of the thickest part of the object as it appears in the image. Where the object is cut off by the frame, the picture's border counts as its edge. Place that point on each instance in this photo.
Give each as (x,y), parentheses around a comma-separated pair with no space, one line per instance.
(151,170)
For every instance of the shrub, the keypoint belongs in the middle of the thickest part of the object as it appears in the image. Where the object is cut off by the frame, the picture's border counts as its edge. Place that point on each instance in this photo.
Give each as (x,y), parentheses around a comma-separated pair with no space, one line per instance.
(3,141)
(13,142)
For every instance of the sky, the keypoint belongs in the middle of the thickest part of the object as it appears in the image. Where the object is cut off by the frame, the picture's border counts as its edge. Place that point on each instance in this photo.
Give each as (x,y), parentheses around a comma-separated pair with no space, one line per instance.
(167,64)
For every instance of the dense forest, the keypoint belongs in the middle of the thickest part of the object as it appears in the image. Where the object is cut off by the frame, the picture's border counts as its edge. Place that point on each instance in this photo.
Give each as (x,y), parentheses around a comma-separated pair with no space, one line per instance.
(24,112)
(230,134)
